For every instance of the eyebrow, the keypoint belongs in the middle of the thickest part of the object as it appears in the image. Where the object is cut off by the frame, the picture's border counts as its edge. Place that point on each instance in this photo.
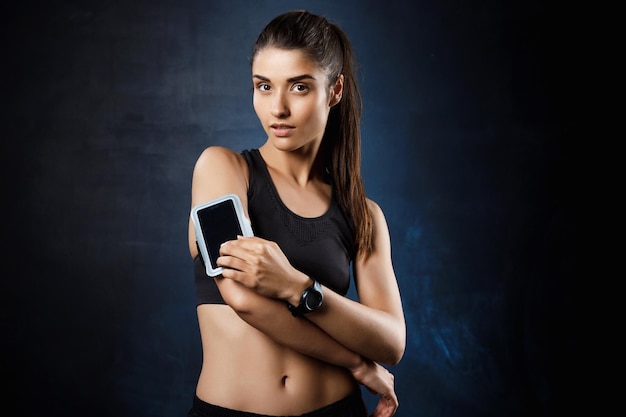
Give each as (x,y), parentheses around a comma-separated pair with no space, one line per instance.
(291,80)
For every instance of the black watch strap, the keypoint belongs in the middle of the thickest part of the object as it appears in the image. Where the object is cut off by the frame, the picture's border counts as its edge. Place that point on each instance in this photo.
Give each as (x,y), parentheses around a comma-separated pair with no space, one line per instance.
(295,311)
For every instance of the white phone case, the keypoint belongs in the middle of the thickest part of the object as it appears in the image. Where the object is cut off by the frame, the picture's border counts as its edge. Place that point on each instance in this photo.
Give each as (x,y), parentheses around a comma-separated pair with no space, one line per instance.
(216,222)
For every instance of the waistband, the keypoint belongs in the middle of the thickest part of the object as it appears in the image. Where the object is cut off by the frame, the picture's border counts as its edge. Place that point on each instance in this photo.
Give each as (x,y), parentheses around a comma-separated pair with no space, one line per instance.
(351,405)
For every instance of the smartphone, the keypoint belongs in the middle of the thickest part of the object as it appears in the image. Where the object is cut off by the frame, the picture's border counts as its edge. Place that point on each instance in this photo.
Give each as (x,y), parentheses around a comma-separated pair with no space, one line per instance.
(216,222)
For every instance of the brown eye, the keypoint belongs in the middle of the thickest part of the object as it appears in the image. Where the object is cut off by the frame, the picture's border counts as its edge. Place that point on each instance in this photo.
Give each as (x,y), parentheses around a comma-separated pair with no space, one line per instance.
(300,88)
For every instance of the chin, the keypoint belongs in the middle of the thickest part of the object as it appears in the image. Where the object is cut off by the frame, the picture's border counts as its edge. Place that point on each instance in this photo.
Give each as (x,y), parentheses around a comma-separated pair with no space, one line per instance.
(286,144)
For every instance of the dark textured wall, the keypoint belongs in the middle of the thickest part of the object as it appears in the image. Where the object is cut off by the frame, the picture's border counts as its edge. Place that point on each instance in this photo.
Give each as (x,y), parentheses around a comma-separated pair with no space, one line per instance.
(106,105)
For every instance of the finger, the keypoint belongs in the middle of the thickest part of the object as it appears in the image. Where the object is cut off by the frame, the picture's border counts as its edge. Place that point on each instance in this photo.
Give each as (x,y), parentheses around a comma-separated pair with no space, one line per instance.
(386,407)
(382,410)
(237,276)
(235,249)
(231,263)
(249,242)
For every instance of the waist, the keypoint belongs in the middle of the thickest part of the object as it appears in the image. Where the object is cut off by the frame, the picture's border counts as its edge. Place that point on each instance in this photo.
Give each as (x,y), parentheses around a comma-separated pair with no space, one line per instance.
(245,370)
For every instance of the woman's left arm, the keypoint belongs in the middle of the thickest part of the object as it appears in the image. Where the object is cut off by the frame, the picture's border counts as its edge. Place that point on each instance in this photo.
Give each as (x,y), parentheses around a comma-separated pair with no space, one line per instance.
(375,326)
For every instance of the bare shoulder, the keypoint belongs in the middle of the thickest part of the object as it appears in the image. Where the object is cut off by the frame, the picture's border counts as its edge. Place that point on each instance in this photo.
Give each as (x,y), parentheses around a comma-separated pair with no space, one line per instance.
(219,171)
(377,212)
(381,228)
(214,158)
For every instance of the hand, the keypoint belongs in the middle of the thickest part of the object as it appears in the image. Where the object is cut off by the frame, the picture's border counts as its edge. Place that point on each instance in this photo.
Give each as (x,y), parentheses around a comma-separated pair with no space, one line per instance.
(262,266)
(378,380)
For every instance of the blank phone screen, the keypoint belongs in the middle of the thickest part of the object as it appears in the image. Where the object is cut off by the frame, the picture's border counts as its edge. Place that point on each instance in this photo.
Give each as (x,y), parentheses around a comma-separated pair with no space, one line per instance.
(219,224)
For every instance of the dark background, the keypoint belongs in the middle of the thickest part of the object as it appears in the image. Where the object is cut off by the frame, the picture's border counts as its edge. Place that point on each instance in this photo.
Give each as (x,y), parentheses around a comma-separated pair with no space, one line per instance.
(467,146)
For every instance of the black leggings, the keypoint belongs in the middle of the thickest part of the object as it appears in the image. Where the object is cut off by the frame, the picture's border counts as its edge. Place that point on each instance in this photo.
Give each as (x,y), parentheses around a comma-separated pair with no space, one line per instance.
(350,406)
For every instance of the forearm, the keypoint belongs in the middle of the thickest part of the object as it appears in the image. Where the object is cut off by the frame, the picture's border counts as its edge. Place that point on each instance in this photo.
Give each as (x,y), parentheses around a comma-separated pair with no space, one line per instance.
(271,317)
(372,333)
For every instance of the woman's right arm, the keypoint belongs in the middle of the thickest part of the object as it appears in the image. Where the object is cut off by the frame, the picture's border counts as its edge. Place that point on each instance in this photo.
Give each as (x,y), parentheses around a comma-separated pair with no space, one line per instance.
(218,171)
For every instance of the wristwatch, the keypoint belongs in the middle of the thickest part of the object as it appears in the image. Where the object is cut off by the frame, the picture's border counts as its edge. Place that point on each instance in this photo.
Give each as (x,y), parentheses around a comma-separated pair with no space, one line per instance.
(311,299)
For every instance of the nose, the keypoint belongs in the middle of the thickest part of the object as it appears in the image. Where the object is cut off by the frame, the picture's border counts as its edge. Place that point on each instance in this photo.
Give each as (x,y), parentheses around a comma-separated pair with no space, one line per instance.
(279,105)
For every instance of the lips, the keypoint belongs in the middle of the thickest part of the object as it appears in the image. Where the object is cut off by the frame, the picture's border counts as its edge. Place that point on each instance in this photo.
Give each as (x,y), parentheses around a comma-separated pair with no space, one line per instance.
(281,129)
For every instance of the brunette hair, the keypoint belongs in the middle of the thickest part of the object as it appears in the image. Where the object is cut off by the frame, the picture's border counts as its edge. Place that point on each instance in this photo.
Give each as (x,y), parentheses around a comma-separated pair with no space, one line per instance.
(328,46)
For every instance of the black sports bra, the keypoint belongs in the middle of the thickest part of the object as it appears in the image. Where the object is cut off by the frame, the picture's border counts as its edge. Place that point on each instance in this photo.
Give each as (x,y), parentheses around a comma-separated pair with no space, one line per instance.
(321,247)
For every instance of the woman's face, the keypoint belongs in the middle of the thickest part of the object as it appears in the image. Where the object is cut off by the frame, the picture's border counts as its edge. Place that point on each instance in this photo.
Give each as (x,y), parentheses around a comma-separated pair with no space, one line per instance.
(291,98)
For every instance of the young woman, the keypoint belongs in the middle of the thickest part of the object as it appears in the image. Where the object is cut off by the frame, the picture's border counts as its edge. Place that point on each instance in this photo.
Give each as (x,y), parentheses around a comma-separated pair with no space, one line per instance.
(279,336)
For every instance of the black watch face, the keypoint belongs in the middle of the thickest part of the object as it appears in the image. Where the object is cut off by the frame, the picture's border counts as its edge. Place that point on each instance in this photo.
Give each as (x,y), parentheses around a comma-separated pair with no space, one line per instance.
(313,300)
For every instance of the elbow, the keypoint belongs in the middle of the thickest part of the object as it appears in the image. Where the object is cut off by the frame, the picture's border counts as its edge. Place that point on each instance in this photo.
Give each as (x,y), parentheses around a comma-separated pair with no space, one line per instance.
(394,355)
(395,349)
(236,296)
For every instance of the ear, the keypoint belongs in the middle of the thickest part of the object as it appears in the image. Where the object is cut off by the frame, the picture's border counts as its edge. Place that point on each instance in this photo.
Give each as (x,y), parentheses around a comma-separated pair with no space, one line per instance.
(337,91)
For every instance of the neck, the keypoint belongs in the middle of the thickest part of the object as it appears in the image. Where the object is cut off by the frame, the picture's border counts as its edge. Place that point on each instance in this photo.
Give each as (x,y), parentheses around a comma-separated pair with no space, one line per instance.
(301,166)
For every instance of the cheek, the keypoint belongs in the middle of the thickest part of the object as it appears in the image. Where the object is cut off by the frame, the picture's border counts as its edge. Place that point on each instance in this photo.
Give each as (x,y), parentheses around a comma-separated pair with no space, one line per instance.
(317,111)
(319,114)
